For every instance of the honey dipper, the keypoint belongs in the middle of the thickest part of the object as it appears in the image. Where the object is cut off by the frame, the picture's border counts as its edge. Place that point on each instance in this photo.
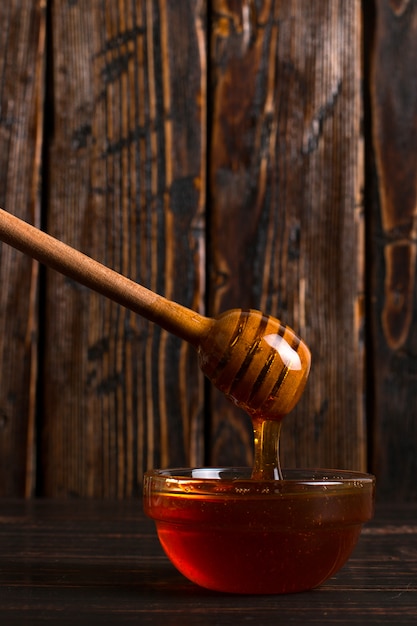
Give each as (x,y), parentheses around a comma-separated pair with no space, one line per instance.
(257,361)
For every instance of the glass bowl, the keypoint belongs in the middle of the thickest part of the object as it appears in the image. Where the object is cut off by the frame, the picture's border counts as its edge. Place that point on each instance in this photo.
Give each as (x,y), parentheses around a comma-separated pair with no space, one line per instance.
(229,533)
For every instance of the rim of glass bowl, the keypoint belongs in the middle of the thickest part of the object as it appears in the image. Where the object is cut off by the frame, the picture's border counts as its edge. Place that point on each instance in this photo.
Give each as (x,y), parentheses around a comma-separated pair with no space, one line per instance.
(237,481)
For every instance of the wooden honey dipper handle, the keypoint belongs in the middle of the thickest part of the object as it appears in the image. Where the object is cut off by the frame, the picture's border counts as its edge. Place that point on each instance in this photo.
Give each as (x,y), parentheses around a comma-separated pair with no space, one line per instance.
(173,317)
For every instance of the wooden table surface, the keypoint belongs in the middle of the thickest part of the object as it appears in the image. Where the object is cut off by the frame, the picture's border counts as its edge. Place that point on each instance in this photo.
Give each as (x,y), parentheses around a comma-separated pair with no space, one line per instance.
(76,562)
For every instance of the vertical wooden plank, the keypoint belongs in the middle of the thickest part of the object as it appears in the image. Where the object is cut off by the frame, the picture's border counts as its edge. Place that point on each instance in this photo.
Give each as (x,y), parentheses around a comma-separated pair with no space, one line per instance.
(126,185)
(393,237)
(22,56)
(286,211)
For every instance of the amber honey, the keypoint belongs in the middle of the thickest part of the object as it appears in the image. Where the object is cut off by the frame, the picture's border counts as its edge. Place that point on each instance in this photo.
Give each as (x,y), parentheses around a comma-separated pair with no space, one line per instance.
(240,535)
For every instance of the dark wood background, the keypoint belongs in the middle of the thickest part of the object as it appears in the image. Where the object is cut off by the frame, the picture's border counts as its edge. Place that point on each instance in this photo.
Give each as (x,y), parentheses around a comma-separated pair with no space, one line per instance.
(224,154)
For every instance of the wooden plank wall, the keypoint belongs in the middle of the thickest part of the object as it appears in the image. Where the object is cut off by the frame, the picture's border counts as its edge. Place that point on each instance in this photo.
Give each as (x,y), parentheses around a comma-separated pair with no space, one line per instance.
(286,211)
(22,62)
(225,155)
(392,243)
(126,183)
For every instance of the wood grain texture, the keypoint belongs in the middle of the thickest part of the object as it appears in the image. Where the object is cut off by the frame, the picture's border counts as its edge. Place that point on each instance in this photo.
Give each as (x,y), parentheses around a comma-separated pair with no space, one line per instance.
(22,53)
(126,186)
(115,164)
(286,217)
(89,562)
(393,241)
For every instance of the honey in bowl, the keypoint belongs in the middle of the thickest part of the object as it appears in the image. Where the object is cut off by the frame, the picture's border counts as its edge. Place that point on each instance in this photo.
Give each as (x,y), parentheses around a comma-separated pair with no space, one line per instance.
(228,532)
